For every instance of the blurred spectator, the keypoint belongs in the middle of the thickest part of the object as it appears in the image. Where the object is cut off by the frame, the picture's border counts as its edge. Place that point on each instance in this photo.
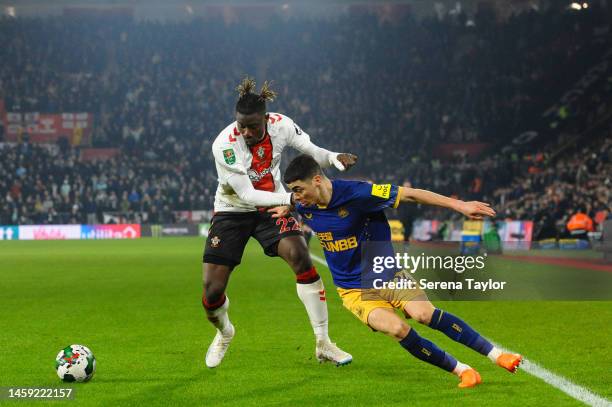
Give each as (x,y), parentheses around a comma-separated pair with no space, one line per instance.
(580,224)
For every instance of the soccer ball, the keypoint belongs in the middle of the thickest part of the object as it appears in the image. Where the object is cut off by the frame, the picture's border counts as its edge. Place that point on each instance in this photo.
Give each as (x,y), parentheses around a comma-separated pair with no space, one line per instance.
(75,363)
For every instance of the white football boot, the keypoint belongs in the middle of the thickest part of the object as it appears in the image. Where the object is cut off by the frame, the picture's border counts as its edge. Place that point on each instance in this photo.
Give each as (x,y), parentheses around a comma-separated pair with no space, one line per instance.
(328,352)
(219,346)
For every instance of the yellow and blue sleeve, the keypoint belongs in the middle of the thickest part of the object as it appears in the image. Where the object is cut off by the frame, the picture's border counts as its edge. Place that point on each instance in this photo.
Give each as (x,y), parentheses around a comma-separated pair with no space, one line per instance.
(379,196)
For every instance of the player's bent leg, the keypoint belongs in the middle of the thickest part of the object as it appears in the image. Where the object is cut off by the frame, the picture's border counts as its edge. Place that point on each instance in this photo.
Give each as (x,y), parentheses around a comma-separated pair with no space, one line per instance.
(227,238)
(422,310)
(311,292)
(294,251)
(216,277)
(387,321)
(216,305)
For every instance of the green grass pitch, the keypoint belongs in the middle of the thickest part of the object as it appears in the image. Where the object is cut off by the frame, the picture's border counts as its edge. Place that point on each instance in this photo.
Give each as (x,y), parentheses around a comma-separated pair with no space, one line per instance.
(136,305)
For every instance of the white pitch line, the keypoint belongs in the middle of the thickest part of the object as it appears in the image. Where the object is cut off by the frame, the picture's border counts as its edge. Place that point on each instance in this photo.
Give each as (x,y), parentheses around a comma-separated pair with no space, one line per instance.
(319,260)
(559,382)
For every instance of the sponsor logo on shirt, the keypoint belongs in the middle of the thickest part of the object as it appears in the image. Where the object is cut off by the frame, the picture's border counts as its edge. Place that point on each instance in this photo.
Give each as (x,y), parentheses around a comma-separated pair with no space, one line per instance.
(330,245)
(255,176)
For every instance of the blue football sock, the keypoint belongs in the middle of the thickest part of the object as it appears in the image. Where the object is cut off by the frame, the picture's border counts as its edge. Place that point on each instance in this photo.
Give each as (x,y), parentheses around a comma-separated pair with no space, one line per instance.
(456,329)
(427,351)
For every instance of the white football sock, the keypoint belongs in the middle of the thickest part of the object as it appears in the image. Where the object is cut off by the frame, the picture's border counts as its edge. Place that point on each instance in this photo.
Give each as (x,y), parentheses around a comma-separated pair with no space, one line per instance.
(313,298)
(494,354)
(219,317)
(460,368)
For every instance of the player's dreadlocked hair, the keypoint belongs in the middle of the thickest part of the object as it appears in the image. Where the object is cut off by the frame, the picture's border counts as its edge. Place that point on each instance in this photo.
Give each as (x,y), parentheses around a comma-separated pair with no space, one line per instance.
(250,102)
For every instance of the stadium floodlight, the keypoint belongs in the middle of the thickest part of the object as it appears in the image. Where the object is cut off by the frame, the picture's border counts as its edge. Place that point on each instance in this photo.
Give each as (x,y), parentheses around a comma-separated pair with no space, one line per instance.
(576,6)
(585,5)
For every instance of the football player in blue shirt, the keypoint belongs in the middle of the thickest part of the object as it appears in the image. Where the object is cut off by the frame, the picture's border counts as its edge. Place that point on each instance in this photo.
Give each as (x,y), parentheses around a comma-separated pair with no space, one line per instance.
(346,214)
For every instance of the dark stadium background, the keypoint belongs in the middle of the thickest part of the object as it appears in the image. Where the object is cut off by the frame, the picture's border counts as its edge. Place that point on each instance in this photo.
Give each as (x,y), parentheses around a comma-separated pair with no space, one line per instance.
(107,114)
(506,102)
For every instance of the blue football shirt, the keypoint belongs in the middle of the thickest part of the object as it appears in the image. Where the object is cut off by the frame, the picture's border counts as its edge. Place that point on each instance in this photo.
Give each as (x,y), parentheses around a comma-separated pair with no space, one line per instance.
(353,216)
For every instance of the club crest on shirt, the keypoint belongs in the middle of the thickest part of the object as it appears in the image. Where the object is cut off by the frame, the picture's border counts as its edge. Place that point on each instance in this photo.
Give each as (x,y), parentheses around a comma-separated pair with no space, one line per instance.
(214,242)
(343,212)
(261,152)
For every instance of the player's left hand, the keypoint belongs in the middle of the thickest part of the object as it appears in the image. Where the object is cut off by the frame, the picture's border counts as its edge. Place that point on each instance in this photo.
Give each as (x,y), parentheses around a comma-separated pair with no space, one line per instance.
(344,161)
(475,210)
(280,211)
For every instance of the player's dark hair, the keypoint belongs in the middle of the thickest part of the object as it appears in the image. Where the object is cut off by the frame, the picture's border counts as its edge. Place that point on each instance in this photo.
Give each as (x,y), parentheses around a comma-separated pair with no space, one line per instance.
(302,168)
(250,102)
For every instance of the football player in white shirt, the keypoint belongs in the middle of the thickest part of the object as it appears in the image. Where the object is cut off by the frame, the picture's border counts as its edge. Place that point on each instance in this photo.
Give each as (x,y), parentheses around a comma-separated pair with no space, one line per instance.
(247,157)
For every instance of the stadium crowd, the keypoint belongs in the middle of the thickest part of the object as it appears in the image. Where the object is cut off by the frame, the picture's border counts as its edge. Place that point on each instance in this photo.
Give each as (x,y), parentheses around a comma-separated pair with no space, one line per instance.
(162,91)
(44,185)
(550,194)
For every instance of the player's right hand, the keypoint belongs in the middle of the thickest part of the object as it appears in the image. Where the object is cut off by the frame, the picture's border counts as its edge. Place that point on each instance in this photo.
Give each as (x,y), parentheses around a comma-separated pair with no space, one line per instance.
(475,210)
(280,211)
(344,161)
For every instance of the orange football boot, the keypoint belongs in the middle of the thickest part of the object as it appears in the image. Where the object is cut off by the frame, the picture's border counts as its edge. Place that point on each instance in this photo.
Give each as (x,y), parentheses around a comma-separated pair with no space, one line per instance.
(509,361)
(469,378)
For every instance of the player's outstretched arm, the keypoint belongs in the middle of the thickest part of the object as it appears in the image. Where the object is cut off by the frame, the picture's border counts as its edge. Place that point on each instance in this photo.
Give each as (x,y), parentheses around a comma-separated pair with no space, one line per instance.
(241,184)
(300,140)
(326,158)
(473,209)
